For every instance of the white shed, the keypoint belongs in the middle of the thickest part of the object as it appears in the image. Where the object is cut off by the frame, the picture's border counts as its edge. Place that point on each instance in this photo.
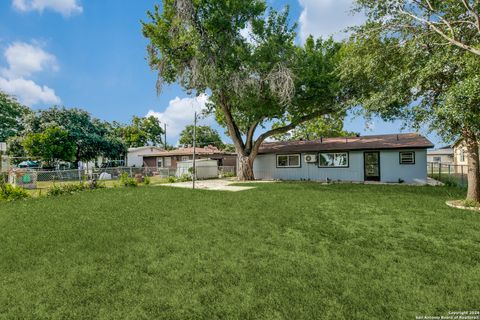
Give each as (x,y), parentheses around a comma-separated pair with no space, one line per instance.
(206,168)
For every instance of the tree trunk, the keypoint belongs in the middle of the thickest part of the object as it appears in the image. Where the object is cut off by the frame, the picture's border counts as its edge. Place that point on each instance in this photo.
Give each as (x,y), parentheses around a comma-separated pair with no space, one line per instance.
(473,192)
(245,168)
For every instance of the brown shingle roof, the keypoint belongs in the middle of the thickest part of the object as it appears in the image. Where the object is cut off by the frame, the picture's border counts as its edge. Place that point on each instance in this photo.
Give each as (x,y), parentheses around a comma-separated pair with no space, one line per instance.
(387,141)
(187,152)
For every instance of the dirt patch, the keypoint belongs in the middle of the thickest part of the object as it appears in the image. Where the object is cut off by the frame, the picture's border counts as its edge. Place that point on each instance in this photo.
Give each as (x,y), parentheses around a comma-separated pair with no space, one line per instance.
(215,184)
(459,204)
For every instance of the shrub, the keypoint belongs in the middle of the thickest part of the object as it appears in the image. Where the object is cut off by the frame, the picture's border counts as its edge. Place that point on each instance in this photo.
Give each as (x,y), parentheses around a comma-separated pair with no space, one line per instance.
(74,188)
(172,179)
(126,181)
(146,180)
(185,177)
(11,193)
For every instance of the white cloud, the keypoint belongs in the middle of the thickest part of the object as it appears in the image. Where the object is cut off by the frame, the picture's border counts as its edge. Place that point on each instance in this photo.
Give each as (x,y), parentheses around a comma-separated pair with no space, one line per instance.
(23,60)
(180,113)
(28,92)
(327,18)
(64,7)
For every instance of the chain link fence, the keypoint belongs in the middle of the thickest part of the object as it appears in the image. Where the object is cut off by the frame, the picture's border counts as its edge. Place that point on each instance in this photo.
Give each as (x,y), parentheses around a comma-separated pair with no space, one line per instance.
(449,174)
(105,174)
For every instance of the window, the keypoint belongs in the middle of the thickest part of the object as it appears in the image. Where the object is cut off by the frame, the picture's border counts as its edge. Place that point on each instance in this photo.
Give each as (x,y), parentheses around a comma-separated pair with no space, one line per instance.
(333,160)
(288,161)
(407,157)
(437,159)
(159,162)
(462,155)
(185,158)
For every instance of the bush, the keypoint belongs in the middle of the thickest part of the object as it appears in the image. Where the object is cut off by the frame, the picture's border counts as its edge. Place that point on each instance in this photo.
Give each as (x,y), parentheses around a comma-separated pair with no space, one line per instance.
(146,180)
(185,177)
(172,179)
(11,193)
(74,188)
(126,181)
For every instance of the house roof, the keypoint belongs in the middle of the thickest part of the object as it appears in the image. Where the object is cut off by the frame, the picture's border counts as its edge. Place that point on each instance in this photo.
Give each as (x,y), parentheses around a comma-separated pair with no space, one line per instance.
(210,150)
(377,142)
(443,151)
(145,148)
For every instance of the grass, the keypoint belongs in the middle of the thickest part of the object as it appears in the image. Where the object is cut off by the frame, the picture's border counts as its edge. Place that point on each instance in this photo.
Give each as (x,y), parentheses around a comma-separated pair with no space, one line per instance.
(280,251)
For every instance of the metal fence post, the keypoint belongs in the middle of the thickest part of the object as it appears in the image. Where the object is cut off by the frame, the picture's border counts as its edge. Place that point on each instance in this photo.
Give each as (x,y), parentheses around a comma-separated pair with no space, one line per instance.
(440,171)
(463,178)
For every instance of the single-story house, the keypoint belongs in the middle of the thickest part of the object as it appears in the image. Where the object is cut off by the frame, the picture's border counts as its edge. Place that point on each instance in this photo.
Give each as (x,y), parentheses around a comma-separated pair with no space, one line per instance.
(442,155)
(168,158)
(135,155)
(385,158)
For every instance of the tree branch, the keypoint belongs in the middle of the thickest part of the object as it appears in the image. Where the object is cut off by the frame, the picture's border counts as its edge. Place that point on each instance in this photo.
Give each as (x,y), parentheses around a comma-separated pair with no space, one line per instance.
(232,127)
(250,134)
(286,128)
(473,13)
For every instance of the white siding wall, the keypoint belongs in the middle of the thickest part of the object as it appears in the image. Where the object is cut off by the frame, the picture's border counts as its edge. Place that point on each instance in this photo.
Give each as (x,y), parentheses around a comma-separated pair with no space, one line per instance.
(134,158)
(390,168)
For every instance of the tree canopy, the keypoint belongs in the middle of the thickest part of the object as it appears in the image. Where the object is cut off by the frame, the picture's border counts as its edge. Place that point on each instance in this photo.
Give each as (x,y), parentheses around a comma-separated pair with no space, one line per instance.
(205,136)
(142,132)
(11,116)
(400,67)
(50,145)
(252,80)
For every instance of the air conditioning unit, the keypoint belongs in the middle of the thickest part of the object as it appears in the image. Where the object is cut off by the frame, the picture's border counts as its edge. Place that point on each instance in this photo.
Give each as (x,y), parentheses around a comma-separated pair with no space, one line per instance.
(309,158)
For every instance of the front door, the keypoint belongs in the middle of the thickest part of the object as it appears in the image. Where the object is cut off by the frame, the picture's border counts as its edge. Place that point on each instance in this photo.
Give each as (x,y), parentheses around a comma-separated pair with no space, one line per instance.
(372,166)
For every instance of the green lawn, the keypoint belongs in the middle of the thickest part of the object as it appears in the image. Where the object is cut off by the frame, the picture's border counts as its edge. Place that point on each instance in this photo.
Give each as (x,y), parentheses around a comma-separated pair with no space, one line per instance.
(281,251)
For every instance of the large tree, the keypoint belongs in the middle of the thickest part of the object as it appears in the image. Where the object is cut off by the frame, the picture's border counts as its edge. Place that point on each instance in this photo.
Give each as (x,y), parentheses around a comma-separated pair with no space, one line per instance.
(92,137)
(252,80)
(142,132)
(205,136)
(51,145)
(11,116)
(402,67)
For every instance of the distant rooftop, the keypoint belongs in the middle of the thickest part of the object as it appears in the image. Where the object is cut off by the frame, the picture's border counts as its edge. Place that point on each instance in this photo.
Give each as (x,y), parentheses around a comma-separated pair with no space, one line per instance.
(376,142)
(209,150)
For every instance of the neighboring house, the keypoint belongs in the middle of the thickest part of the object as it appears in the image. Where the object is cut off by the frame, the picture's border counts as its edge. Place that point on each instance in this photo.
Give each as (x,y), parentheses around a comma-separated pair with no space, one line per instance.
(386,158)
(168,159)
(460,153)
(443,155)
(135,155)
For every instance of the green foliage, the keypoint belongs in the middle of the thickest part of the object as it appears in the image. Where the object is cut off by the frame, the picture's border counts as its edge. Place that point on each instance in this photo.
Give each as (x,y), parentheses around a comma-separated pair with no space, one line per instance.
(280,251)
(171,179)
(252,82)
(126,181)
(11,116)
(146,180)
(185,177)
(71,188)
(205,136)
(11,193)
(52,144)
(325,126)
(91,137)
(142,132)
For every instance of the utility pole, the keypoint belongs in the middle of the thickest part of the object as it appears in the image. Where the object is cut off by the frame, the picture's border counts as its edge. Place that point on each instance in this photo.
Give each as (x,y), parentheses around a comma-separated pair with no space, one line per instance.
(194,172)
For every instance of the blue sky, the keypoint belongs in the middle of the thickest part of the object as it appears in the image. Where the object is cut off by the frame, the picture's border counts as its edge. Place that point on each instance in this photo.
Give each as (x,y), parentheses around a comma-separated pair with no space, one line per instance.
(91,54)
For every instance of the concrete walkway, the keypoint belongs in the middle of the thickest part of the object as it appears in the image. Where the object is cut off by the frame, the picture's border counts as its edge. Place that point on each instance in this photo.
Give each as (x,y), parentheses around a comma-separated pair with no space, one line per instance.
(214,184)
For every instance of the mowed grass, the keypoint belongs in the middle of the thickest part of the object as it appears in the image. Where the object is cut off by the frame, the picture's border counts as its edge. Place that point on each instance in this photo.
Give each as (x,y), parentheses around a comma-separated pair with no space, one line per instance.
(280,251)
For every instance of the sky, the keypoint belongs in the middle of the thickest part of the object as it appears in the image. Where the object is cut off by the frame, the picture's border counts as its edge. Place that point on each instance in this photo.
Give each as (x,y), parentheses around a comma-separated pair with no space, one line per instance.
(91,54)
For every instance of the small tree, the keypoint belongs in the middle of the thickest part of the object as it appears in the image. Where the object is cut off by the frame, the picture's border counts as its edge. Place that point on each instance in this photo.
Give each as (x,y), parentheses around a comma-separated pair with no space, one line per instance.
(252,80)
(205,136)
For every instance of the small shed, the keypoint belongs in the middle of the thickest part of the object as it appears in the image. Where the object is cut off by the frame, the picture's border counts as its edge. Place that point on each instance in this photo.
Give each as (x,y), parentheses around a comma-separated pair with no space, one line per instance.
(206,168)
